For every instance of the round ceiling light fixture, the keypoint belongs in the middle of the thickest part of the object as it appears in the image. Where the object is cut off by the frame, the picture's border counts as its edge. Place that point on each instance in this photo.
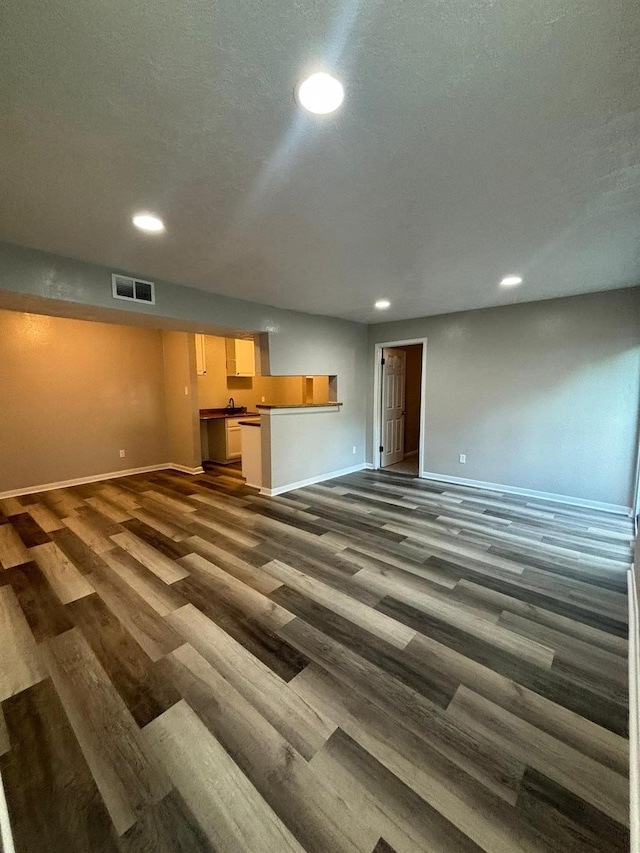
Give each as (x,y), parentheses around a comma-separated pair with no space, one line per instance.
(511,281)
(382,304)
(148,222)
(320,93)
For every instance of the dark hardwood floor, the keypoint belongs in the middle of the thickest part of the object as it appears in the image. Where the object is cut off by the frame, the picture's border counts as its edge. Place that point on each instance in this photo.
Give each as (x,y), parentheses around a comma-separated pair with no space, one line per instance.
(373,664)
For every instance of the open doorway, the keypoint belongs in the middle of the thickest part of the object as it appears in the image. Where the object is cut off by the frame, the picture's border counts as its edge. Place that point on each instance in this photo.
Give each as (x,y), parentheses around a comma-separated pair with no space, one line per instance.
(399,406)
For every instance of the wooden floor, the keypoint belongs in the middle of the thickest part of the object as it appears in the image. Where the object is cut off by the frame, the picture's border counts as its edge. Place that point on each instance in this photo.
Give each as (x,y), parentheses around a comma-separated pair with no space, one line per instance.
(372,664)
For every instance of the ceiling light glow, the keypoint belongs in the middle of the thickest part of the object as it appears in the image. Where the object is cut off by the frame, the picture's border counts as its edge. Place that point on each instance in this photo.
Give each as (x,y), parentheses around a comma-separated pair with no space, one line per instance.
(381,304)
(511,281)
(148,222)
(321,93)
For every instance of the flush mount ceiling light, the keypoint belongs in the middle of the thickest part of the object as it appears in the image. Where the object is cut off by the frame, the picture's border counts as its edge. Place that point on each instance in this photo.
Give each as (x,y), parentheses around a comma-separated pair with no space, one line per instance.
(321,93)
(510,281)
(381,304)
(148,222)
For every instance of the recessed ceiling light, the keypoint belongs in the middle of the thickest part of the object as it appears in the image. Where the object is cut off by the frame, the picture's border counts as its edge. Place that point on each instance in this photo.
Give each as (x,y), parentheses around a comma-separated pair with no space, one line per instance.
(511,281)
(148,222)
(321,93)
(381,304)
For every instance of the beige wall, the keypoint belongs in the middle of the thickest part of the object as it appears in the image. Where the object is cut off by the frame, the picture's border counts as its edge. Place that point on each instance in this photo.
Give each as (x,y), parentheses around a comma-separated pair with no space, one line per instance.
(541,396)
(183,424)
(297,342)
(215,387)
(73,394)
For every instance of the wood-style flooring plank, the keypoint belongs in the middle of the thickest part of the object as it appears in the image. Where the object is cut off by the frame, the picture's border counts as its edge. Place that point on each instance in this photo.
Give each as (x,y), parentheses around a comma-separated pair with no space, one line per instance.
(164,567)
(167,827)
(42,608)
(257,579)
(47,520)
(304,800)
(169,547)
(566,821)
(556,686)
(258,638)
(231,812)
(142,621)
(128,776)
(592,782)
(484,818)
(29,530)
(108,508)
(162,597)
(12,549)
(63,576)
(53,800)
(395,633)
(375,663)
(494,767)
(22,665)
(77,551)
(129,669)
(300,724)
(497,602)
(87,528)
(405,819)
(599,743)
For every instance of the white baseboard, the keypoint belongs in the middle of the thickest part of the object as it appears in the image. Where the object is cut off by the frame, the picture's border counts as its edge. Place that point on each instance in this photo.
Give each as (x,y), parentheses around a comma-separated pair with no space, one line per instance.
(634,696)
(279,490)
(368,466)
(528,493)
(184,469)
(96,478)
(634,713)
(6,836)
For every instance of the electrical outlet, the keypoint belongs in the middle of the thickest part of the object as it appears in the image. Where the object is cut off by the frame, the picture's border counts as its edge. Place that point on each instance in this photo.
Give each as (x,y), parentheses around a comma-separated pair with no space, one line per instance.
(122,454)
(186,390)
(463,458)
(354,448)
(263,399)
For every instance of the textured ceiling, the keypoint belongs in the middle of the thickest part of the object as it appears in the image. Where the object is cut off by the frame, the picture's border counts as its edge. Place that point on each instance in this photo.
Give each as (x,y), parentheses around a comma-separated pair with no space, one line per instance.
(476,139)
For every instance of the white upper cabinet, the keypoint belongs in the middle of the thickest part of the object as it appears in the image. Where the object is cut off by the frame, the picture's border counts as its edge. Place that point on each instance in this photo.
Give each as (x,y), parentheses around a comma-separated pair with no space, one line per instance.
(241,357)
(201,358)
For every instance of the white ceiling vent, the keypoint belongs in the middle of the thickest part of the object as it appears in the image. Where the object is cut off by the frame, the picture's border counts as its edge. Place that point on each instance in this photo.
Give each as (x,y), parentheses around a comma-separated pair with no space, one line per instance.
(133,289)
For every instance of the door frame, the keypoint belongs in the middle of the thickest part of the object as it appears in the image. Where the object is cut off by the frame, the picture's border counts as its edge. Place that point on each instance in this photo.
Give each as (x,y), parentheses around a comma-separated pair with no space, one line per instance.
(377,399)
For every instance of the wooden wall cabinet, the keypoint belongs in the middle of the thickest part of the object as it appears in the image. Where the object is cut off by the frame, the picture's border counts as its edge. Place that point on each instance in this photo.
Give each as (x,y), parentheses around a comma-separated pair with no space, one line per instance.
(241,357)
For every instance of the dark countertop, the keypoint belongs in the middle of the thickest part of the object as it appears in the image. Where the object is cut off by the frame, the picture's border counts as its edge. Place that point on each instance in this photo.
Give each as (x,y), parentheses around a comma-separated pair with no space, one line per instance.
(222,414)
(298,406)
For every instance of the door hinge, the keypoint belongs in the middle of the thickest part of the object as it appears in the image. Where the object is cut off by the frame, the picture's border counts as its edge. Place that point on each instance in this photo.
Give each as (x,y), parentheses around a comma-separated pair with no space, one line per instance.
(381,449)
(383,361)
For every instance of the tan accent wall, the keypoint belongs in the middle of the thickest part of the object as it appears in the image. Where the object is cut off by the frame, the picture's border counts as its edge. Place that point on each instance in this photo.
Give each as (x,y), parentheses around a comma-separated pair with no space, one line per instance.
(73,394)
(182,409)
(215,387)
(413,379)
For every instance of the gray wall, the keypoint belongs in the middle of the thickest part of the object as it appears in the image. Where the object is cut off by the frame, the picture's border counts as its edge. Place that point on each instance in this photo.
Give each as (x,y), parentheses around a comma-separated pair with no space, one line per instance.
(298,343)
(542,395)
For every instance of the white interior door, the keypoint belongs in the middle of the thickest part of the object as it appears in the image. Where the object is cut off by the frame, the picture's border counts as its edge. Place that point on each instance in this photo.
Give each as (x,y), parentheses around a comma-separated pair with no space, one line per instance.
(393,387)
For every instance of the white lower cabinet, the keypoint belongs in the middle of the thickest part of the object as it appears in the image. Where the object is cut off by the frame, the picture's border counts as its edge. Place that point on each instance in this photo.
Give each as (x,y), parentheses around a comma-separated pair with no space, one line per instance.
(234,444)
(224,439)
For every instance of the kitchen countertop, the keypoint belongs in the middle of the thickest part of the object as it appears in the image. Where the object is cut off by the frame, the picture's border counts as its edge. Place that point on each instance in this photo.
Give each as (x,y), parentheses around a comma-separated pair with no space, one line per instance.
(222,414)
(298,406)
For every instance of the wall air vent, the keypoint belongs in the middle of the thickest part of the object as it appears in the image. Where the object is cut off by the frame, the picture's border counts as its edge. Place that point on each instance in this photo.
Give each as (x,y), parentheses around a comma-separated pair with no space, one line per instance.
(133,289)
